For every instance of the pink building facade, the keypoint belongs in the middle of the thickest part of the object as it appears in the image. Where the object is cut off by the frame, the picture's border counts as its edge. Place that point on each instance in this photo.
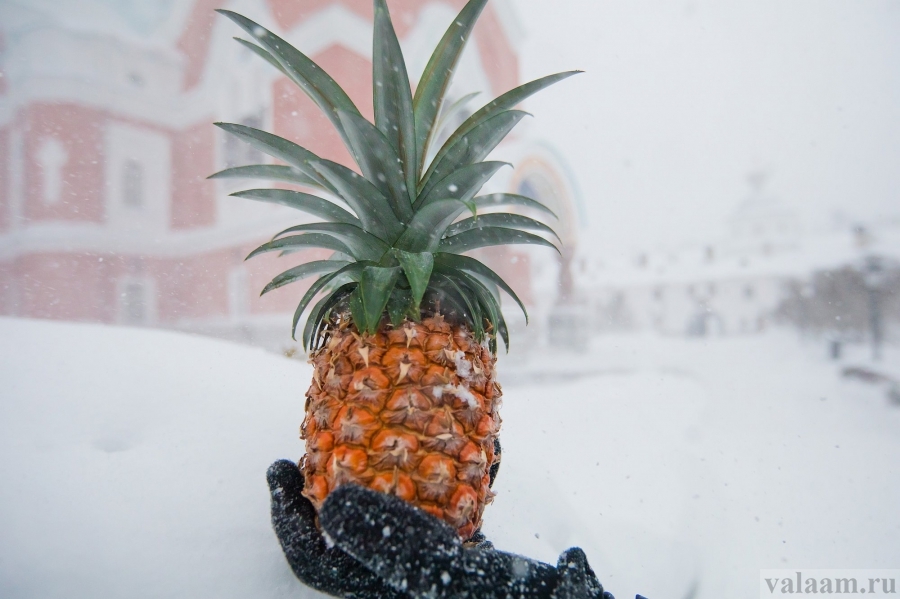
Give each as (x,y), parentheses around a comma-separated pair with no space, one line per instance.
(106,142)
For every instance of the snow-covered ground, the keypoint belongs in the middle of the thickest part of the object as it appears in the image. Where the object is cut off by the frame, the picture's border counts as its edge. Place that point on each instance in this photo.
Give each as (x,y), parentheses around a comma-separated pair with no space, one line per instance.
(132,463)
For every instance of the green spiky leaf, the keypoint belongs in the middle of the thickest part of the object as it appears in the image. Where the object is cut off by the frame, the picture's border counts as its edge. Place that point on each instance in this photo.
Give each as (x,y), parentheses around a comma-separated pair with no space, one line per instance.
(490,236)
(304,202)
(373,209)
(507,221)
(298,273)
(401,306)
(489,303)
(310,77)
(298,242)
(399,218)
(362,245)
(472,310)
(510,199)
(489,306)
(272,172)
(506,102)
(358,310)
(450,112)
(278,147)
(478,268)
(315,288)
(265,55)
(463,183)
(393,98)
(319,313)
(375,288)
(380,164)
(417,267)
(429,224)
(439,73)
(471,148)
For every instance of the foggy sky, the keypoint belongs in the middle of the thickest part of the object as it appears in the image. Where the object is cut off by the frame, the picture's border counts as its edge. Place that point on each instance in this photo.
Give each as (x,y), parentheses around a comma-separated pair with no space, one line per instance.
(681,100)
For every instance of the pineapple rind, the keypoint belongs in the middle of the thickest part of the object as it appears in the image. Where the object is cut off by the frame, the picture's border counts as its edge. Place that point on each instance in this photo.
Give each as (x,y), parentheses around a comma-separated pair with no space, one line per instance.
(412,411)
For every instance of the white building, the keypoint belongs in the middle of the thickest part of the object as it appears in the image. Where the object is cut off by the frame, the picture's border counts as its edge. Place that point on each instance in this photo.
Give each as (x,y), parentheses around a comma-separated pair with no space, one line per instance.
(731,285)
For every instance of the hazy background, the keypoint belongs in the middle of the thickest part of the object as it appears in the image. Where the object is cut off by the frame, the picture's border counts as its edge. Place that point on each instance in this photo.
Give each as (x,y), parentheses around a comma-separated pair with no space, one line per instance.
(680,100)
(709,384)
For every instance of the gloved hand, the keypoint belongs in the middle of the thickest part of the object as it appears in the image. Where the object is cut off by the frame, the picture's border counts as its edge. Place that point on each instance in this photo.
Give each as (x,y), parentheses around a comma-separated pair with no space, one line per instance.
(377,546)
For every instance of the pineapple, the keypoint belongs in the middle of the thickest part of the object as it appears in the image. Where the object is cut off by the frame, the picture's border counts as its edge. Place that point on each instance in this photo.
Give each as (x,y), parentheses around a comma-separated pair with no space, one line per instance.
(404,338)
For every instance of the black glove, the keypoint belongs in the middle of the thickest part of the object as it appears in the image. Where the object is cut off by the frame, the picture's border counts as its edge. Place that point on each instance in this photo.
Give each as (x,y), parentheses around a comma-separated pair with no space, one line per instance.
(380,547)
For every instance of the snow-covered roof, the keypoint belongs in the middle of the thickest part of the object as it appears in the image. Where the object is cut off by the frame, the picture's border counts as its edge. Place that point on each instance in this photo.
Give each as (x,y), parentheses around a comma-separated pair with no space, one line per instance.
(762,207)
(684,265)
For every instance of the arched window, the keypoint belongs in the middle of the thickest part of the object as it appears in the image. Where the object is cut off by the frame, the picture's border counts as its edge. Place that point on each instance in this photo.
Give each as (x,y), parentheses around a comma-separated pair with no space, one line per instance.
(526,188)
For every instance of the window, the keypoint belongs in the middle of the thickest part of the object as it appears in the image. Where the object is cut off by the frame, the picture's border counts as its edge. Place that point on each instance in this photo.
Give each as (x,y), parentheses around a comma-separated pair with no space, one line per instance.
(238,297)
(134,302)
(9,297)
(138,177)
(133,184)
(240,153)
(52,157)
(526,188)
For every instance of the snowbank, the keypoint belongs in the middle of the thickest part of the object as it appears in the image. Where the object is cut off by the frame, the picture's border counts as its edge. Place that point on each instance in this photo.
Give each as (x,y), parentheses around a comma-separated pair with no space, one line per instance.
(133,463)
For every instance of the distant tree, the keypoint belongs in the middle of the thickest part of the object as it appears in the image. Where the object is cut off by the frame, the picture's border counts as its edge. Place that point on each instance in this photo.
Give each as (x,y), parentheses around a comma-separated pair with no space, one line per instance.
(837,301)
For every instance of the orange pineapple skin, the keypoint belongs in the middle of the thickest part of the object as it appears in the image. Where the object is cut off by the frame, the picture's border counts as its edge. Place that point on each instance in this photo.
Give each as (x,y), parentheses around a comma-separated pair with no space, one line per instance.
(412,411)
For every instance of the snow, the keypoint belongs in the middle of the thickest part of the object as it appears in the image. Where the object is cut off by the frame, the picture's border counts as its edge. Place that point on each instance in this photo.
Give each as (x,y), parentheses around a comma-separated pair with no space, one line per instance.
(459,391)
(463,367)
(133,463)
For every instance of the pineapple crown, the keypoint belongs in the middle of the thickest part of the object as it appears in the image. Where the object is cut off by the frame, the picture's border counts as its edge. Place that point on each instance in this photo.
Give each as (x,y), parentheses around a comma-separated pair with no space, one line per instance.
(405,222)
